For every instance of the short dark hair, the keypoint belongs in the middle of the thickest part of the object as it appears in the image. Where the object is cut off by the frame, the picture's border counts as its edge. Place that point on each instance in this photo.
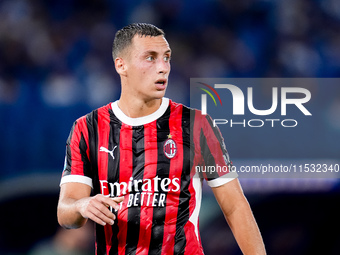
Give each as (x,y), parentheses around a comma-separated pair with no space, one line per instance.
(123,37)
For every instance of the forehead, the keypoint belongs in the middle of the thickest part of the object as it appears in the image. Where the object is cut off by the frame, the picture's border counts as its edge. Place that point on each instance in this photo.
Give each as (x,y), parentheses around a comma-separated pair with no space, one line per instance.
(150,43)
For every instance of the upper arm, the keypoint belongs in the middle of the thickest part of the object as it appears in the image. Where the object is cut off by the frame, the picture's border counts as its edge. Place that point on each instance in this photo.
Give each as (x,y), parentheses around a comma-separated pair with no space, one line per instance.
(74,190)
(230,196)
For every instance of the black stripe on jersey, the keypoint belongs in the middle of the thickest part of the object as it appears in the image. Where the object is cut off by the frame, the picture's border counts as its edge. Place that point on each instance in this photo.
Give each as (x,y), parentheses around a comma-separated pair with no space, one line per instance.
(217,133)
(163,169)
(219,137)
(184,197)
(68,142)
(68,168)
(86,163)
(92,126)
(113,171)
(138,159)
(191,131)
(114,140)
(208,158)
(82,149)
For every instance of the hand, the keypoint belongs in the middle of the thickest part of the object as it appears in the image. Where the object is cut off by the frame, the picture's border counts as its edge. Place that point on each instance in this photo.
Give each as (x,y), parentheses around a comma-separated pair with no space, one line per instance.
(97,209)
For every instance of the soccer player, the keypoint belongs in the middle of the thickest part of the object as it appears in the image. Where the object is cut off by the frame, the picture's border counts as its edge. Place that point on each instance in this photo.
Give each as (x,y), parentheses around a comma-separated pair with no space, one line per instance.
(131,165)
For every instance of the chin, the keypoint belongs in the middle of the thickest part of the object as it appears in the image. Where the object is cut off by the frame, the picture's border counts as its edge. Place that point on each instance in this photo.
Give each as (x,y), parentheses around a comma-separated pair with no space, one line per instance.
(159,94)
(149,98)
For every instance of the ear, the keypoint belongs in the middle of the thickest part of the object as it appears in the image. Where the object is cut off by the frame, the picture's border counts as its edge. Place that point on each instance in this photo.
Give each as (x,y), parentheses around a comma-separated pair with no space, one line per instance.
(120,66)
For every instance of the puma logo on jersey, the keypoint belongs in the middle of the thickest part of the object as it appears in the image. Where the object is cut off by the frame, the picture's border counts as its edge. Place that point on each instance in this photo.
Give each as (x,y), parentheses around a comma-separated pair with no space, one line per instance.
(108,151)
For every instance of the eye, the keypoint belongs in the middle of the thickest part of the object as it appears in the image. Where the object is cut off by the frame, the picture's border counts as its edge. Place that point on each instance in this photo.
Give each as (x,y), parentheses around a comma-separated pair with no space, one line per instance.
(167,58)
(150,58)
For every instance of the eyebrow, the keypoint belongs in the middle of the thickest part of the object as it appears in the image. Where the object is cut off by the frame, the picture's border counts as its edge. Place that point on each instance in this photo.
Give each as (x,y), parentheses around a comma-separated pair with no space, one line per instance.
(152,52)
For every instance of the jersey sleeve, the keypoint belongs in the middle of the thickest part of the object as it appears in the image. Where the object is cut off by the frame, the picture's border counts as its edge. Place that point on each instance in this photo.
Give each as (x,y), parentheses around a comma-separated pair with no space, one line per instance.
(215,164)
(77,167)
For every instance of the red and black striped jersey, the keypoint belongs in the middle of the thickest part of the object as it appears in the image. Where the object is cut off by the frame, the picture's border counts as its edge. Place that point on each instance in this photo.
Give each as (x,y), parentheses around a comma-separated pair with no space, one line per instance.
(157,163)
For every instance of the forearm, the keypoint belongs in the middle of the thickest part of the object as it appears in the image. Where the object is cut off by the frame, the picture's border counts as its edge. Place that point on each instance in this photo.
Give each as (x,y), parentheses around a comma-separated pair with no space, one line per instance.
(240,218)
(245,230)
(76,206)
(72,197)
(69,215)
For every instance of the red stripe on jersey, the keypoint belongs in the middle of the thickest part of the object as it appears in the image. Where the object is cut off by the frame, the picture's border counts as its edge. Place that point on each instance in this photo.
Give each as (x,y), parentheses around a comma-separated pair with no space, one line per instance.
(192,247)
(189,227)
(125,172)
(214,145)
(103,141)
(176,165)
(85,132)
(150,171)
(77,165)
(196,140)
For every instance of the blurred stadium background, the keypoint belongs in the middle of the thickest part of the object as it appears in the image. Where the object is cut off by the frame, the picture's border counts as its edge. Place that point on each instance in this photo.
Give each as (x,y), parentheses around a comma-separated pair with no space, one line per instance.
(55,66)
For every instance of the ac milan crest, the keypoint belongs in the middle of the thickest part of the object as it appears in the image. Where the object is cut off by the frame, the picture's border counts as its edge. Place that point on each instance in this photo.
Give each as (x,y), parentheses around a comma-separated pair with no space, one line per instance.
(170,147)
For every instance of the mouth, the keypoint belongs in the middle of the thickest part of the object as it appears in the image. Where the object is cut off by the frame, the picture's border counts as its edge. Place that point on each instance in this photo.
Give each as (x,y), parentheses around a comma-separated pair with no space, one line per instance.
(161,82)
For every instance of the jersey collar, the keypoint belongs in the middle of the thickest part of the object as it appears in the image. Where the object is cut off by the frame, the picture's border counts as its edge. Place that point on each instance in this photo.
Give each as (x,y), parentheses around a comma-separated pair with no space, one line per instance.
(142,120)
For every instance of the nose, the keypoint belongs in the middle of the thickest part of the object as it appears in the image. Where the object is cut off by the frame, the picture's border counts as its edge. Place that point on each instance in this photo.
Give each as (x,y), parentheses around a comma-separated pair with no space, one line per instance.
(163,66)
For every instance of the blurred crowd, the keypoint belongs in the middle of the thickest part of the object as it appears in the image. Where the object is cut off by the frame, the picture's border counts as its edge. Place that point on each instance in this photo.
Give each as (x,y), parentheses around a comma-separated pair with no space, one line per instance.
(56,65)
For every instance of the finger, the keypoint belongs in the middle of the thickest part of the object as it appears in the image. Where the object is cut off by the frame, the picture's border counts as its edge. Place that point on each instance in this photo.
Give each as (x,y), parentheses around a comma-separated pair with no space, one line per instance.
(99,207)
(113,202)
(94,209)
(104,209)
(100,221)
(103,214)
(118,199)
(106,201)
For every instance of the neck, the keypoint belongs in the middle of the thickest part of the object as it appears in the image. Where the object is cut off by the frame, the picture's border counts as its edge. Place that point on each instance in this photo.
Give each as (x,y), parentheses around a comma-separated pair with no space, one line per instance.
(135,108)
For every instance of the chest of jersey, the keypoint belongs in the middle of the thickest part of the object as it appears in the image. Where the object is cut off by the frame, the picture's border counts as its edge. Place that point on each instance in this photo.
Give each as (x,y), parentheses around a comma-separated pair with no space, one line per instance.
(149,162)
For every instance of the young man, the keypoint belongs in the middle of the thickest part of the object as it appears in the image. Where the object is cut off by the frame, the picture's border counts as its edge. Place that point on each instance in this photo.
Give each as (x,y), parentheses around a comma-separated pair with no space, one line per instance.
(138,157)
